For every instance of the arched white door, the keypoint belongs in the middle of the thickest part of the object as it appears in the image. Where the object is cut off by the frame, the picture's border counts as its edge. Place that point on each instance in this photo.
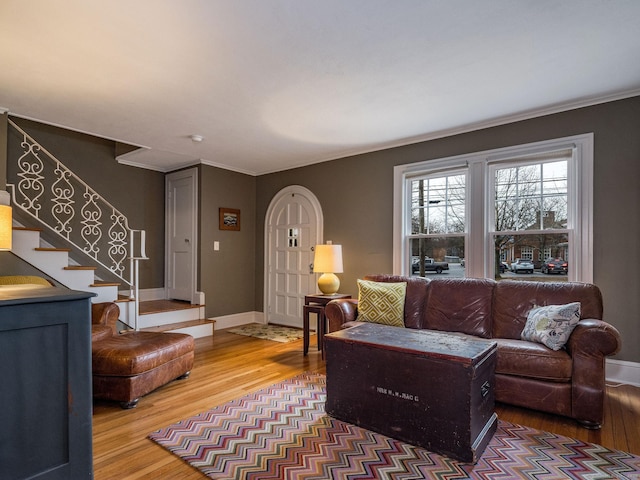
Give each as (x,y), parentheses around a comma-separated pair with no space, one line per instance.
(293,226)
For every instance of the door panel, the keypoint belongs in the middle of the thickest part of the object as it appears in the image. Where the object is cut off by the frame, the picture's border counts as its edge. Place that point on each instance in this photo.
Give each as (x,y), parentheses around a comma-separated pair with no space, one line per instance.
(293,232)
(181,235)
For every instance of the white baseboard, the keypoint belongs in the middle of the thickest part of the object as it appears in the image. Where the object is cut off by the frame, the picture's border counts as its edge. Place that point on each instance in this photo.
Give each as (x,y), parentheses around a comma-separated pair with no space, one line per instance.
(237,319)
(198,331)
(620,371)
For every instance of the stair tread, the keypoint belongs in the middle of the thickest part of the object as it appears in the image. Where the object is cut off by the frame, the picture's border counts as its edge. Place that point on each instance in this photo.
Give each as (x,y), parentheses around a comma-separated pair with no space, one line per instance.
(158,306)
(28,229)
(178,325)
(105,284)
(52,249)
(79,267)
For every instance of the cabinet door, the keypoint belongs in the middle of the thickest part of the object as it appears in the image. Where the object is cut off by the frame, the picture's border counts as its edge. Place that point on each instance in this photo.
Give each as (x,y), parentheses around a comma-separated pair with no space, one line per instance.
(45,395)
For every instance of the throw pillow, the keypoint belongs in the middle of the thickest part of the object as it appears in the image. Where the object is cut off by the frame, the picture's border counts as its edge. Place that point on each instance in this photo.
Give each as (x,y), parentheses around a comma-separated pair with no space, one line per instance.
(551,325)
(381,302)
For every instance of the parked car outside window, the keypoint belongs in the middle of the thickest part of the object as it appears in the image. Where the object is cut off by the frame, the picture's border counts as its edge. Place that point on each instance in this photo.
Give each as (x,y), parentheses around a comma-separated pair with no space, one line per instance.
(524,266)
(555,265)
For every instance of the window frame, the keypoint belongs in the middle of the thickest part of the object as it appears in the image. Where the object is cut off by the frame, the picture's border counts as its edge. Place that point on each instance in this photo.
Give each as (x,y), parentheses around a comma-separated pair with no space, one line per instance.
(479,261)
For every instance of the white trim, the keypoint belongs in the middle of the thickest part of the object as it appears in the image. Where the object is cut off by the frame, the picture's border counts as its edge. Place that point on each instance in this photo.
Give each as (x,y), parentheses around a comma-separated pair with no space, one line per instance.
(620,371)
(399,246)
(480,262)
(77,130)
(237,319)
(228,167)
(197,331)
(122,160)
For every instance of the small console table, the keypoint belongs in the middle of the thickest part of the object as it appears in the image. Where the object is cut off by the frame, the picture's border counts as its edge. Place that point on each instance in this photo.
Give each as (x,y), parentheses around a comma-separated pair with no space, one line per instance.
(315,304)
(45,366)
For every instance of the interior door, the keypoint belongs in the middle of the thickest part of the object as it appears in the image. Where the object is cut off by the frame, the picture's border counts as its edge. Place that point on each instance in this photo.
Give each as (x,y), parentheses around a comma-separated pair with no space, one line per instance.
(181,235)
(293,230)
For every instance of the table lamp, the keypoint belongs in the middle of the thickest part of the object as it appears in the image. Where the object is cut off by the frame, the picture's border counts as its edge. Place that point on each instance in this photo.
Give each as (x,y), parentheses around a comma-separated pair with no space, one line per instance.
(6,222)
(328,261)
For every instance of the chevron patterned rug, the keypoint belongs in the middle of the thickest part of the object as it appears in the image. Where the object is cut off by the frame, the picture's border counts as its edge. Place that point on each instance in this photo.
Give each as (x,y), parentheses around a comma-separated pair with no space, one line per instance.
(282,432)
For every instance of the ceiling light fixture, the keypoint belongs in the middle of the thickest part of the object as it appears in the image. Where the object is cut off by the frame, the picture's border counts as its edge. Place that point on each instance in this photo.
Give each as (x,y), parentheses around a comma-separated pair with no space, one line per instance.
(197,138)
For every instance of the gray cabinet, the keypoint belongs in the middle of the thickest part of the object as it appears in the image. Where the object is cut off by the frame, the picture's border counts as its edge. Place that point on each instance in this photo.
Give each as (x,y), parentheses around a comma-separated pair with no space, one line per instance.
(45,383)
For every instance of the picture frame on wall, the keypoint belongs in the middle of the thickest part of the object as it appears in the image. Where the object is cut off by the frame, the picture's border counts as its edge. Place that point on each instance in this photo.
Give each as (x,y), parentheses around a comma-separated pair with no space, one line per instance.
(229,219)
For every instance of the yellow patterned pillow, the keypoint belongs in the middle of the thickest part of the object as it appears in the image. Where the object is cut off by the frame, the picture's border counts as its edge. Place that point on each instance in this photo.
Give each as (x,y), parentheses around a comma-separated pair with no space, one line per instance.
(381,302)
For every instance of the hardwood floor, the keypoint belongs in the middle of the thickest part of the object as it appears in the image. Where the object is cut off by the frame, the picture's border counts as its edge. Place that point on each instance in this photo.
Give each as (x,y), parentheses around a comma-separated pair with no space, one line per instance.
(228,366)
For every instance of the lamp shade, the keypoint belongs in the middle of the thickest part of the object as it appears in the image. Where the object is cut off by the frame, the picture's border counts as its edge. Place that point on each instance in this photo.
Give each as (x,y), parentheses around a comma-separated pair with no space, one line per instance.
(5,227)
(328,259)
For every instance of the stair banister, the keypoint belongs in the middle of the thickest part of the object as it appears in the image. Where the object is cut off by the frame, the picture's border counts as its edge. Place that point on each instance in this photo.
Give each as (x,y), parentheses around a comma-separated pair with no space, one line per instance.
(134,261)
(44,181)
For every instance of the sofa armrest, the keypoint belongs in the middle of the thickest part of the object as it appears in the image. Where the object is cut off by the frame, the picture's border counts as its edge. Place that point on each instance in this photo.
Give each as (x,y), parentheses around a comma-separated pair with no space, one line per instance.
(589,344)
(594,338)
(341,311)
(105,313)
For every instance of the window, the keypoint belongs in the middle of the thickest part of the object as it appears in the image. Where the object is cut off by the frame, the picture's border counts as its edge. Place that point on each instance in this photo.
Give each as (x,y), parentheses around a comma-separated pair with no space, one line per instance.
(437,220)
(526,253)
(530,202)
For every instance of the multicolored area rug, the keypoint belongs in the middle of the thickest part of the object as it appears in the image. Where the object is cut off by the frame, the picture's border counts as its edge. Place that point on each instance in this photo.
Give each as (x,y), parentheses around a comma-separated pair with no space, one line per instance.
(282,432)
(274,333)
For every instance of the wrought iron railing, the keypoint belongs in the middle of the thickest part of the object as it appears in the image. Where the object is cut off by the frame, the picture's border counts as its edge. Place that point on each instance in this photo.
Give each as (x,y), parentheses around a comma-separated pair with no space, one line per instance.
(49,192)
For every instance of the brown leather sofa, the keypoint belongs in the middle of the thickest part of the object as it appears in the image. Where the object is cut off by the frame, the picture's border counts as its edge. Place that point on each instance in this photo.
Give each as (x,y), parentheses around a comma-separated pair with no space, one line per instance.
(126,366)
(569,382)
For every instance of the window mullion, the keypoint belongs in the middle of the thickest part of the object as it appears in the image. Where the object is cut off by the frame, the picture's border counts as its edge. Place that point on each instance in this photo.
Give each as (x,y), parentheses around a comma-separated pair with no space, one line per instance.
(476,218)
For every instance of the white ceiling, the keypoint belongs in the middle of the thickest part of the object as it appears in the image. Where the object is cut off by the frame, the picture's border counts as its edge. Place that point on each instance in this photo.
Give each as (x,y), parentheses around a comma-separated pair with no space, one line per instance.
(275,84)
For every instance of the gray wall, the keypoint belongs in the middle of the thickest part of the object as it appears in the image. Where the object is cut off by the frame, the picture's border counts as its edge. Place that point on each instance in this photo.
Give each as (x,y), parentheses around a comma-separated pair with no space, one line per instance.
(356,195)
(227,276)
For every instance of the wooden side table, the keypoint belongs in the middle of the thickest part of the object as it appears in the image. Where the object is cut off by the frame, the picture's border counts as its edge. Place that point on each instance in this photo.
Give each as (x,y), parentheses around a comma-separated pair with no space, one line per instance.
(315,304)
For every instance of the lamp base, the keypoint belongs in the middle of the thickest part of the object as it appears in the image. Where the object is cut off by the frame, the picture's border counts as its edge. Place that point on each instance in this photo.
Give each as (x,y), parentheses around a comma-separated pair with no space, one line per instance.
(328,283)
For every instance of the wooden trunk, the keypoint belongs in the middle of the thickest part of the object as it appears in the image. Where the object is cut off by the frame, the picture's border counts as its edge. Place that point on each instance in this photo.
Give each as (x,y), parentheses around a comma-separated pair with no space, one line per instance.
(427,388)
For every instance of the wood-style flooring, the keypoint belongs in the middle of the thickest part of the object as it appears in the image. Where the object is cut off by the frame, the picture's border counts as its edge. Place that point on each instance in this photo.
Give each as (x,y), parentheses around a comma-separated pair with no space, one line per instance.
(228,366)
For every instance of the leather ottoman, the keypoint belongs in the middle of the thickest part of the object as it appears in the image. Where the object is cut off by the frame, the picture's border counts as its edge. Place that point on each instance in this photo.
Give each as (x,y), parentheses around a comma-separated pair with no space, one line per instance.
(128,366)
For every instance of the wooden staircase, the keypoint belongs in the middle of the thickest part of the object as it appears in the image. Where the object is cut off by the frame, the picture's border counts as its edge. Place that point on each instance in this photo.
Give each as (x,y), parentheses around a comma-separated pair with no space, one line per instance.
(172,316)
(154,315)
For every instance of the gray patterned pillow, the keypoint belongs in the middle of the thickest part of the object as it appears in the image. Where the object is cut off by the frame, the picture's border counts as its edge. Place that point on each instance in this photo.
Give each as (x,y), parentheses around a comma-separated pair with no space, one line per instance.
(551,325)
(381,302)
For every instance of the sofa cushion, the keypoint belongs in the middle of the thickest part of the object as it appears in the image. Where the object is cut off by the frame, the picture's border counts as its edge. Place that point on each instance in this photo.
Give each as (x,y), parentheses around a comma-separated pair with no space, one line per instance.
(460,305)
(533,360)
(513,300)
(551,325)
(415,298)
(381,302)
